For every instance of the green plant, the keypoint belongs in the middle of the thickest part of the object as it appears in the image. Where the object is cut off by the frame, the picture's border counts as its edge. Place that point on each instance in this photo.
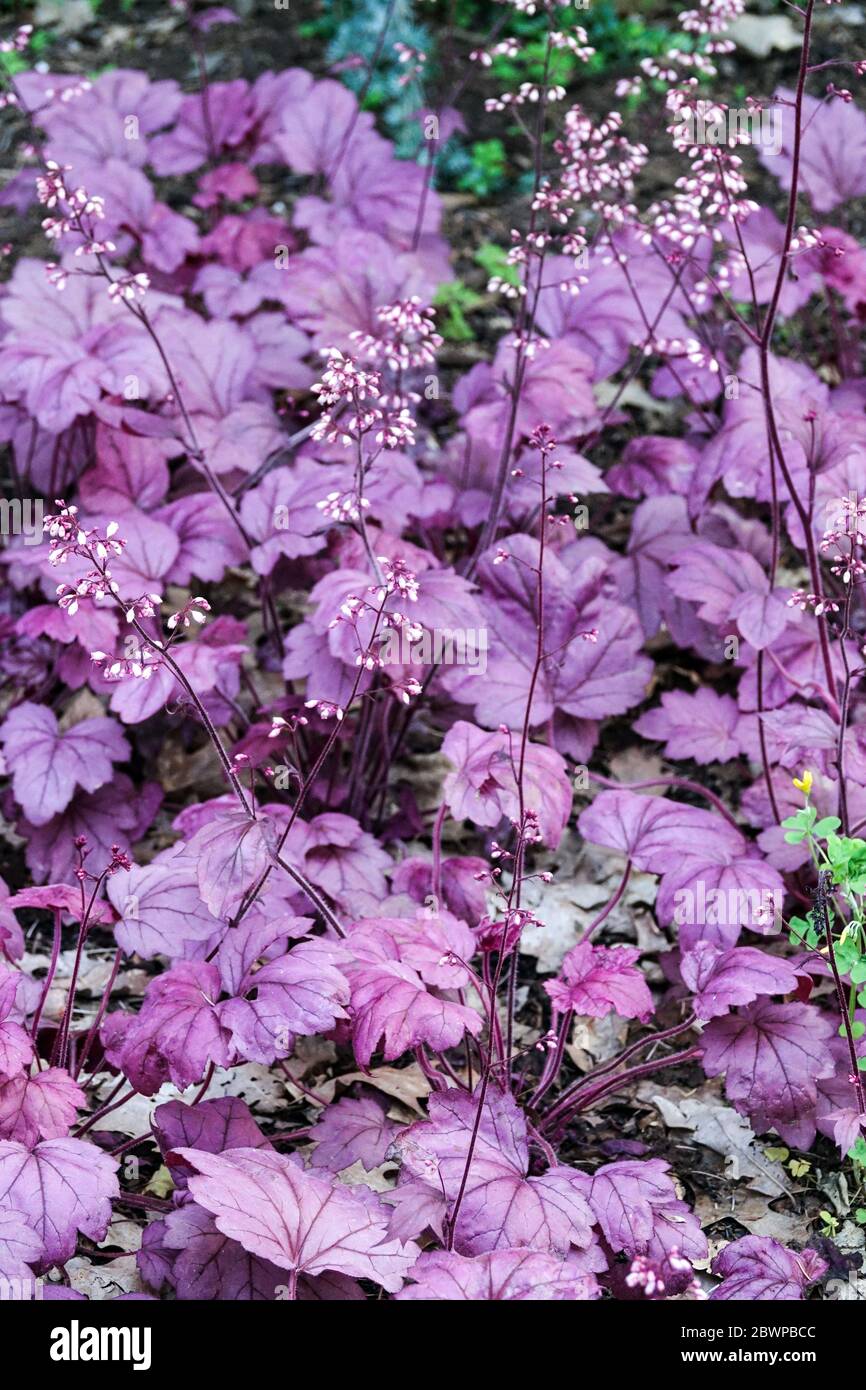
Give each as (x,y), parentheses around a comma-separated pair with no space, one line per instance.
(456,300)
(485,169)
(494,260)
(370,30)
(836,926)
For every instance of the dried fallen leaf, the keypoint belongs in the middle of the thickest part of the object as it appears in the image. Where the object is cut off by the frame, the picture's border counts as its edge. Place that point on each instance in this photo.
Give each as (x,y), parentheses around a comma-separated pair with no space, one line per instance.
(380,1179)
(406,1084)
(109,1280)
(122,1234)
(721,1129)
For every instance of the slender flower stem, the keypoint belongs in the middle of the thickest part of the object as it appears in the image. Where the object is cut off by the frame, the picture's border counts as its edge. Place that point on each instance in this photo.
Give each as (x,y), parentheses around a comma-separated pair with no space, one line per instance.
(526,321)
(52,969)
(822,918)
(307,784)
(777,448)
(61,1042)
(553,1061)
(437,851)
(843,710)
(100,1014)
(514,893)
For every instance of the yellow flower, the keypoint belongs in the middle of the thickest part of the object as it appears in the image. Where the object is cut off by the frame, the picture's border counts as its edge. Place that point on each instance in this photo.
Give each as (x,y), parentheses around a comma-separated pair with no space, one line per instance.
(804,783)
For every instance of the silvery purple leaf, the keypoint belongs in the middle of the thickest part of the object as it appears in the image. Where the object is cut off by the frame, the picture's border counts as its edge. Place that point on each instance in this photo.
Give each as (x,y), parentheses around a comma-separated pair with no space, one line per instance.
(702,726)
(502,1207)
(61,1187)
(639,1212)
(503,1276)
(722,979)
(772,1057)
(41,1106)
(49,764)
(297,1221)
(597,980)
(760,1269)
(352,1130)
(651,829)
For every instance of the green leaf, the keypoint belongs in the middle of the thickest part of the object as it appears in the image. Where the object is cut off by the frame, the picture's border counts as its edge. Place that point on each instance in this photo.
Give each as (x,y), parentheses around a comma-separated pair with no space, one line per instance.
(494,259)
(456,300)
(803,929)
(486,170)
(777,1155)
(848,860)
(826,826)
(857,1152)
(858,972)
(847,955)
(13,63)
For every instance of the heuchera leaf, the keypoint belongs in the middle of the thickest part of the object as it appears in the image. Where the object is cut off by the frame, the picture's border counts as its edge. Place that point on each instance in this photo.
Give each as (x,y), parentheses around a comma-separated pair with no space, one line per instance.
(639,1212)
(302,992)
(129,470)
(212,1125)
(392,1007)
(177,1032)
(16,1049)
(202,1263)
(502,1206)
(713,893)
(115,814)
(71,902)
(702,726)
(20,1246)
(651,830)
(434,943)
(483,788)
(721,979)
(61,1187)
(48,765)
(598,980)
(502,1275)
(297,1221)
(41,1106)
(341,858)
(715,579)
(760,1269)
(188,145)
(352,1131)
(832,150)
(231,854)
(588,679)
(161,912)
(772,1056)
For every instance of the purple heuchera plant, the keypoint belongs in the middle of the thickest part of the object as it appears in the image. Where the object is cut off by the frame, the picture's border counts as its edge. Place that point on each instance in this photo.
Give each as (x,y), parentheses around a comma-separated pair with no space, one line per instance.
(313,676)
